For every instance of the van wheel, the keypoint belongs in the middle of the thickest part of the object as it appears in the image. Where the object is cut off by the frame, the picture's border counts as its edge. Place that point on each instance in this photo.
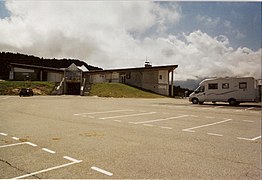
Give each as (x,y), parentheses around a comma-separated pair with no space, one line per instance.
(195,101)
(233,102)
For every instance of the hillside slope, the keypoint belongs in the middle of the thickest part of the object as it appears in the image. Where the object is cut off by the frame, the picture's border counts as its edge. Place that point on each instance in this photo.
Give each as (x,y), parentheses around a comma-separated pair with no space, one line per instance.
(7,57)
(119,90)
(38,87)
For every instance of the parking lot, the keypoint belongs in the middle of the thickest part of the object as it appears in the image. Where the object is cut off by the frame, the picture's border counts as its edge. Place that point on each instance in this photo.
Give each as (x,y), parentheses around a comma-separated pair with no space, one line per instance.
(58,137)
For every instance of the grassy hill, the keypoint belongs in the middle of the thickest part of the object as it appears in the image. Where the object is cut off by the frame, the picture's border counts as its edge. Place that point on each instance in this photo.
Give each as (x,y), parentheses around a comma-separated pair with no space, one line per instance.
(116,90)
(13,87)
(119,90)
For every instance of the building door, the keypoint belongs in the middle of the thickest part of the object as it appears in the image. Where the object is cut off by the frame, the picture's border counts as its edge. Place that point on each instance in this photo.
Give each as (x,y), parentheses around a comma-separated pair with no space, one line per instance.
(72,88)
(123,79)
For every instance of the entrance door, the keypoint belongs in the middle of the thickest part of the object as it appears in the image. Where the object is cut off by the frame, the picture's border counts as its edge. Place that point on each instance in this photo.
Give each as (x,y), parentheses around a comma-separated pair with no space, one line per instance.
(73,88)
(123,79)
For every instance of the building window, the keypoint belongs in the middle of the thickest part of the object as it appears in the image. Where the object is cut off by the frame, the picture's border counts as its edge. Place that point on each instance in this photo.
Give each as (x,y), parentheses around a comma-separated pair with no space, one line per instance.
(225,86)
(213,86)
(128,75)
(242,85)
(160,77)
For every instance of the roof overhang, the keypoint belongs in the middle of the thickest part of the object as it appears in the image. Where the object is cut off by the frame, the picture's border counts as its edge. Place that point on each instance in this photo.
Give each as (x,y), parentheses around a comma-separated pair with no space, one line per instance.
(153,68)
(28,66)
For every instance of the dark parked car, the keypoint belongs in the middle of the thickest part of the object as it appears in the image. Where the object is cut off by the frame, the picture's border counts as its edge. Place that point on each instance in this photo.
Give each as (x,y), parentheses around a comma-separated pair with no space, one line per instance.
(26,92)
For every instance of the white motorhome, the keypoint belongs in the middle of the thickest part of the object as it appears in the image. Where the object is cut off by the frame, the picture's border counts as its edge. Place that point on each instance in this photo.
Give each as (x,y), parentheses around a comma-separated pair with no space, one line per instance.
(230,89)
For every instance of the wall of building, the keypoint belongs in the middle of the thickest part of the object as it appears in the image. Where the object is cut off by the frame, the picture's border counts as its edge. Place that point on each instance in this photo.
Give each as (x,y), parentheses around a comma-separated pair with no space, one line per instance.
(21,74)
(54,77)
(150,81)
(134,78)
(163,86)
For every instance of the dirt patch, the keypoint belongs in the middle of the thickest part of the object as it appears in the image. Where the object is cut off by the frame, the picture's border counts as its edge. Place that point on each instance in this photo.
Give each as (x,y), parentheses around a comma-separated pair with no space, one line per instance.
(56,138)
(92,134)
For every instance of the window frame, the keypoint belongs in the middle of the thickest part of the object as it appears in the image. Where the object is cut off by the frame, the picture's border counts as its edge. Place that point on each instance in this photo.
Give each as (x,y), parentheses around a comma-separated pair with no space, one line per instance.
(212,86)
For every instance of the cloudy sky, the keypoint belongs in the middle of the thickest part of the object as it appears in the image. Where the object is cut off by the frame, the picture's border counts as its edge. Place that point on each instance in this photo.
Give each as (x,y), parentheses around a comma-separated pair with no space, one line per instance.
(205,39)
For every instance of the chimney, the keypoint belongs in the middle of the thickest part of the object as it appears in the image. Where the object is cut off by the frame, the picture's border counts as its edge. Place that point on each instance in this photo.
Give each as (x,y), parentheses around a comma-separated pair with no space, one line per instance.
(147,64)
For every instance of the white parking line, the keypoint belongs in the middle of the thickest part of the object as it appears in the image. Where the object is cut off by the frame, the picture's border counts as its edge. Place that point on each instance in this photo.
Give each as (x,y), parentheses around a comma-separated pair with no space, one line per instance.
(102,112)
(149,125)
(31,144)
(72,159)
(3,134)
(212,134)
(248,139)
(102,171)
(46,170)
(15,144)
(248,121)
(256,138)
(15,138)
(157,120)
(163,127)
(209,117)
(128,115)
(48,150)
(205,125)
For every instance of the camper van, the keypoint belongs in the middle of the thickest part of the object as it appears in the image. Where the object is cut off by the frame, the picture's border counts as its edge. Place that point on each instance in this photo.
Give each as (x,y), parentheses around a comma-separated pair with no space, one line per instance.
(231,90)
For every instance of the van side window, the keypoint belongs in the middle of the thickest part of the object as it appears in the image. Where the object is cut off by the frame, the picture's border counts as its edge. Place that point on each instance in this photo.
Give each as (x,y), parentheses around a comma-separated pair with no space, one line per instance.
(213,86)
(242,85)
(225,85)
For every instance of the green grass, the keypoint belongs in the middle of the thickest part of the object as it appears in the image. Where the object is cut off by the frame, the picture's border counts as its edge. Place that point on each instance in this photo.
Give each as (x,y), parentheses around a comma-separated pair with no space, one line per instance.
(119,90)
(13,87)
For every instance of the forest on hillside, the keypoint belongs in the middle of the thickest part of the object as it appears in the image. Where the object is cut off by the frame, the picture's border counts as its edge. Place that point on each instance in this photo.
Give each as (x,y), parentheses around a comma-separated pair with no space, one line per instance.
(7,57)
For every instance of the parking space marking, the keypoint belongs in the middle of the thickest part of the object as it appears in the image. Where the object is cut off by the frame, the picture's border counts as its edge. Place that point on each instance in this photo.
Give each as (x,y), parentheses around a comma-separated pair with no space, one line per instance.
(128,115)
(163,127)
(48,150)
(157,120)
(31,144)
(49,169)
(15,138)
(212,134)
(248,121)
(72,159)
(103,112)
(102,171)
(15,144)
(255,138)
(248,139)
(209,117)
(205,125)
(149,125)
(3,134)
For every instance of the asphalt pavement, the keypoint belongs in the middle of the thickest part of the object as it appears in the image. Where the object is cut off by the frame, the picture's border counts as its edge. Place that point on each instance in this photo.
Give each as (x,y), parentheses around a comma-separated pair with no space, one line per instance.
(74,137)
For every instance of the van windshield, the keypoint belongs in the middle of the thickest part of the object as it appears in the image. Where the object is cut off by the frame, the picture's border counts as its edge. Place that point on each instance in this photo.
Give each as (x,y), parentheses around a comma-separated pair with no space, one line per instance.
(200,89)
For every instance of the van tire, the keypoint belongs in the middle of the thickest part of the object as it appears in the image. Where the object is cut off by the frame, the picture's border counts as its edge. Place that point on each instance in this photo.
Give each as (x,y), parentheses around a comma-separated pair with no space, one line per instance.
(233,102)
(195,101)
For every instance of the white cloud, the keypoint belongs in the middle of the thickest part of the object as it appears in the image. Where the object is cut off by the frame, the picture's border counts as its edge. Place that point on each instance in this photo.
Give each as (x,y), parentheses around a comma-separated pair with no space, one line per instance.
(208,21)
(102,34)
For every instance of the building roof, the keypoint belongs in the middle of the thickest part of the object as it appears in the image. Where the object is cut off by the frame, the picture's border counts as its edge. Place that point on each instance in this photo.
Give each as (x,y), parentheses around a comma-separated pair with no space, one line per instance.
(85,70)
(36,67)
(152,68)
